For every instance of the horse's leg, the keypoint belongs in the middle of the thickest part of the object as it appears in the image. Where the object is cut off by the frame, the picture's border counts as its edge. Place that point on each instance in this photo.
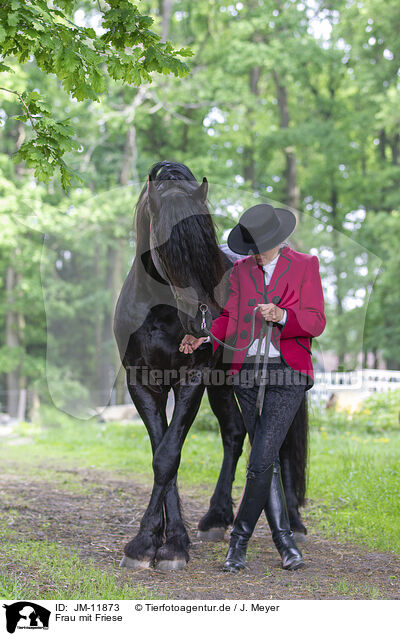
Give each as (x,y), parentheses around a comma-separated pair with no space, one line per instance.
(140,552)
(293,458)
(213,524)
(173,554)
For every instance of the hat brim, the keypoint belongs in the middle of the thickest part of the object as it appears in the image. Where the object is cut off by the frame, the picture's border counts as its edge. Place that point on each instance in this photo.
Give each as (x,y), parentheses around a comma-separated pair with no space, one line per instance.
(287,224)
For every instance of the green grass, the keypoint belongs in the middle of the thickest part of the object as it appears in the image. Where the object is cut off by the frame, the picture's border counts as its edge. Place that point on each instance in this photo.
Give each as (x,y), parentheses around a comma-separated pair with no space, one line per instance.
(353,483)
(124,448)
(354,487)
(350,590)
(11,587)
(41,569)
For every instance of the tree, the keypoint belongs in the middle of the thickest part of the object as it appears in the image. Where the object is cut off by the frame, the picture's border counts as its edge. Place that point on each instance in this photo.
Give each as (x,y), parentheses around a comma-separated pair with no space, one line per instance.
(45,32)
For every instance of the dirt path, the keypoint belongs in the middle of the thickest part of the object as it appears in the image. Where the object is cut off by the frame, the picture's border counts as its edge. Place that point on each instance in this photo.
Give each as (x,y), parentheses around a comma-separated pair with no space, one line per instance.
(100,517)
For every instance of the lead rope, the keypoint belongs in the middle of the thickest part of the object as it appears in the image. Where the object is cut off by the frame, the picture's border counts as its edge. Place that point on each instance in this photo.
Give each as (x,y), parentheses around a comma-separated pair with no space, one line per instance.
(259,374)
(204,308)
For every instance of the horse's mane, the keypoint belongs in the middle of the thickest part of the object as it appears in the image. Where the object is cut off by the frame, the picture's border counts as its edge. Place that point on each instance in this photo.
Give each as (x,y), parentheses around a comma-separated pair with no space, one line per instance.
(190,248)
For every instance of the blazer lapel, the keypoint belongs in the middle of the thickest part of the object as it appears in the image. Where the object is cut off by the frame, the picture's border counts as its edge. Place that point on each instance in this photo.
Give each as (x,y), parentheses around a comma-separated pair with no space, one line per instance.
(257,276)
(281,268)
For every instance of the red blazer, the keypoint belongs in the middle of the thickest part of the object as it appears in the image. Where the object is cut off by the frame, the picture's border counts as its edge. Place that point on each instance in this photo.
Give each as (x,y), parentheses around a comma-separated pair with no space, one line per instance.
(296,286)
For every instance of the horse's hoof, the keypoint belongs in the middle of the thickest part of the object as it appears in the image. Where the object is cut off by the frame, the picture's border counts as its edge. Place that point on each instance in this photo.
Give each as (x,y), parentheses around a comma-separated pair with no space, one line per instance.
(213,534)
(299,537)
(170,565)
(134,564)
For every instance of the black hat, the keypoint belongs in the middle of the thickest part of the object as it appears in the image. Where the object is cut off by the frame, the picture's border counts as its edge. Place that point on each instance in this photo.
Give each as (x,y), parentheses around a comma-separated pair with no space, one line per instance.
(261,228)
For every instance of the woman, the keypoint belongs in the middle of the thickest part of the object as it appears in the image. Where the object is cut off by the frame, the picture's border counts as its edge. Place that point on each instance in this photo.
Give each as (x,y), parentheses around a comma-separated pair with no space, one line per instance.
(289,287)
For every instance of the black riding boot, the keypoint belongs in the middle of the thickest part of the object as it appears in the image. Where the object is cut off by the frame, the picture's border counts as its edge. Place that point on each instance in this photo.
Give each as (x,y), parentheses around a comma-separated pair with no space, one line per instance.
(277,516)
(251,506)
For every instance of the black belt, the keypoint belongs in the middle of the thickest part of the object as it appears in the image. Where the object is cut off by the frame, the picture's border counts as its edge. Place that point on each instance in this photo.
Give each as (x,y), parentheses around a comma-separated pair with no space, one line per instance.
(252,359)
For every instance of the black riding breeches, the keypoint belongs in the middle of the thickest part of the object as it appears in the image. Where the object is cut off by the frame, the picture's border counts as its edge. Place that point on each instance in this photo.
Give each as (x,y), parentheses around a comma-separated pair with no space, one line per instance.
(284,392)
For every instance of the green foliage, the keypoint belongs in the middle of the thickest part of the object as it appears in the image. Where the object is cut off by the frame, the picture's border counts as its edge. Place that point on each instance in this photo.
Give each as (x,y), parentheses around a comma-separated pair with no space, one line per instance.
(51,141)
(41,31)
(378,414)
(224,121)
(49,417)
(206,420)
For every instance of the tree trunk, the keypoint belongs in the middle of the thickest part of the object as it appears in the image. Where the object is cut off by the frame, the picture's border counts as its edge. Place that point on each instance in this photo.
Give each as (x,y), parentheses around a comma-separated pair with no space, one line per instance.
(249,165)
(292,192)
(22,378)
(115,258)
(116,286)
(12,342)
(392,364)
(167,6)
(363,359)
(382,145)
(102,373)
(15,325)
(114,279)
(342,340)
(394,145)
(129,169)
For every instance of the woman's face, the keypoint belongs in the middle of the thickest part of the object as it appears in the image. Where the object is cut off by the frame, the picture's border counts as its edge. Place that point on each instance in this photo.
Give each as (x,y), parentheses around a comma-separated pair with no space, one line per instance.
(266,257)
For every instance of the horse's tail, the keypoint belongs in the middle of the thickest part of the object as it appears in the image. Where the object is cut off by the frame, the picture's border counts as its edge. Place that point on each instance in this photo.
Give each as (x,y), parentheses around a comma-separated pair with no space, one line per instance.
(296,451)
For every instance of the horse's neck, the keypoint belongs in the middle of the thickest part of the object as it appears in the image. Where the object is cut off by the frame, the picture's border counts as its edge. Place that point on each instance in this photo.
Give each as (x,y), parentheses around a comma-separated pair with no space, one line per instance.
(147,282)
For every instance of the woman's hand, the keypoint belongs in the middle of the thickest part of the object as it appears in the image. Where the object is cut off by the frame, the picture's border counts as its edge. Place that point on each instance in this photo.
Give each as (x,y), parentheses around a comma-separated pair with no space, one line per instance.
(271,312)
(190,343)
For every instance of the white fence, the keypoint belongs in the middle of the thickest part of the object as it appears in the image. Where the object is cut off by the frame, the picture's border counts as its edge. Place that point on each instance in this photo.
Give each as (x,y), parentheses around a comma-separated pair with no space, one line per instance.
(362,381)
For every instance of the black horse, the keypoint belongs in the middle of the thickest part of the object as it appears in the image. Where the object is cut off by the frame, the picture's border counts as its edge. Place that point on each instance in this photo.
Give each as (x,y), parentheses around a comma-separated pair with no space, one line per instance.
(178,266)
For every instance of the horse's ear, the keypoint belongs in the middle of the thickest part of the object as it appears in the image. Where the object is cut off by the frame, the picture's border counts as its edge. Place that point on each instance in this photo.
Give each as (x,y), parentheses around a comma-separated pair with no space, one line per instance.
(202,191)
(154,197)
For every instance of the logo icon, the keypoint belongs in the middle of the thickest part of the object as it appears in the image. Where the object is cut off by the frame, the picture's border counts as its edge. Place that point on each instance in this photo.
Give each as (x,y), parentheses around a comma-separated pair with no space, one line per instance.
(26,615)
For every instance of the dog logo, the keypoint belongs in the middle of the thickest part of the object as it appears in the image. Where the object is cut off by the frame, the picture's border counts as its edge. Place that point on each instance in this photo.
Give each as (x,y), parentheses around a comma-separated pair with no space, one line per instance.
(26,615)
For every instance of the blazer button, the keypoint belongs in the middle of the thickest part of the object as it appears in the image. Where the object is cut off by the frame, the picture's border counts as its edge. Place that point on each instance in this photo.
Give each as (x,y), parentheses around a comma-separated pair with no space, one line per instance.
(247,318)
(243,334)
(252,302)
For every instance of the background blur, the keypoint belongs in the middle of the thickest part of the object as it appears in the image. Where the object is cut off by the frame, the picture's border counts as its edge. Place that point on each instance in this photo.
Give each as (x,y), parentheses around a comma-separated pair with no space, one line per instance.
(294,101)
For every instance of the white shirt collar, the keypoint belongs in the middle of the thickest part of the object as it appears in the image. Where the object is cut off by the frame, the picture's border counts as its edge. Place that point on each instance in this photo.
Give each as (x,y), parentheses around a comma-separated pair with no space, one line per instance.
(268,266)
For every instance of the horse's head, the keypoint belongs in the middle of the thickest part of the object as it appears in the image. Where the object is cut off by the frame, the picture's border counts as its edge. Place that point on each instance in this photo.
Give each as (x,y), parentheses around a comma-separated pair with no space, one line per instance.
(182,241)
